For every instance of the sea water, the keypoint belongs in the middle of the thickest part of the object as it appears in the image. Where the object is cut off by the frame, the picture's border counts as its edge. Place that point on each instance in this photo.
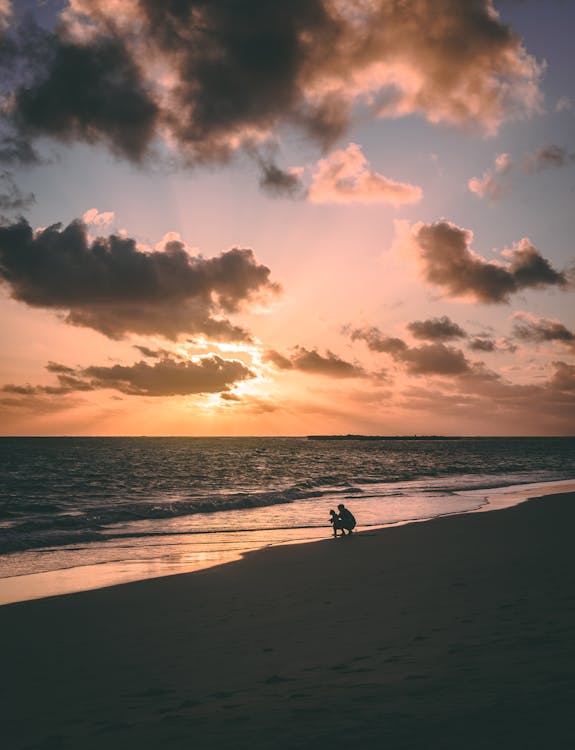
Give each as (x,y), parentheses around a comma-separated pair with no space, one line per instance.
(79,513)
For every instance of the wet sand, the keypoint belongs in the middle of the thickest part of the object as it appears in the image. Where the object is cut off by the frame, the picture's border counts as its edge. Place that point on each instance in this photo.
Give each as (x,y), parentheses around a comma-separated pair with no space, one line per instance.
(453,633)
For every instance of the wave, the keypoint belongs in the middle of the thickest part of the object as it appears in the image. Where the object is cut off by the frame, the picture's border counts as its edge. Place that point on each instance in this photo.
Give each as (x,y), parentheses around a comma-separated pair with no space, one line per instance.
(53,525)
(44,529)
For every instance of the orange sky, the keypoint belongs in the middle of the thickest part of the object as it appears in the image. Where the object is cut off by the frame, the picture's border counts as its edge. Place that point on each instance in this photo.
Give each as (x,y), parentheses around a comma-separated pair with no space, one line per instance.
(311,236)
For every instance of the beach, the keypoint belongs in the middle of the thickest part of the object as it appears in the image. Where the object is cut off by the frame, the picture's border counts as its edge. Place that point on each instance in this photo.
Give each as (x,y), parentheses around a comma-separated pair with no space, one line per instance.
(455,632)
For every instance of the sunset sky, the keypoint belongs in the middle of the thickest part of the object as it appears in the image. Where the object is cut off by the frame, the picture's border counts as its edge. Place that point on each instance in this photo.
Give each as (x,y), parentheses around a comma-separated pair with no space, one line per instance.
(256,217)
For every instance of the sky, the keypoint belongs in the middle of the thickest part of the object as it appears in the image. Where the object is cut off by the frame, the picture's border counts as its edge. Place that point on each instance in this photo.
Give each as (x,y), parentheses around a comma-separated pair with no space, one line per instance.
(270,218)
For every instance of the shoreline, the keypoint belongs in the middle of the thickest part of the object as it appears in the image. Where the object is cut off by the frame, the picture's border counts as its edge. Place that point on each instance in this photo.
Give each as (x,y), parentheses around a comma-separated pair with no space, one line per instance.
(90,577)
(452,633)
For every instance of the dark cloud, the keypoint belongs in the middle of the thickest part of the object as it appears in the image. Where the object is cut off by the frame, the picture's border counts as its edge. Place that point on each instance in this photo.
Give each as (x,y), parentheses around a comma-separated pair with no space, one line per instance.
(11,197)
(60,369)
(150,353)
(531,328)
(36,404)
(82,91)
(235,68)
(278,182)
(168,377)
(479,344)
(436,329)
(240,65)
(563,379)
(110,285)
(23,390)
(278,360)
(435,359)
(67,384)
(161,353)
(311,361)
(548,157)
(214,74)
(486,343)
(379,342)
(449,262)
(15,148)
(230,397)
(429,359)
(529,269)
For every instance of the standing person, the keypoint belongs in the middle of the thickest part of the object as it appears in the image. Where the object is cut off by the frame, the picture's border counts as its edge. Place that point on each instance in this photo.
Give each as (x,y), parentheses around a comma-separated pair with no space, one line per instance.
(346,519)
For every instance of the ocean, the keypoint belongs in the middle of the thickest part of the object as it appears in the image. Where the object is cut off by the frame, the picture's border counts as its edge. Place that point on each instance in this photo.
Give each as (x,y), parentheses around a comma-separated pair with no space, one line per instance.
(78,513)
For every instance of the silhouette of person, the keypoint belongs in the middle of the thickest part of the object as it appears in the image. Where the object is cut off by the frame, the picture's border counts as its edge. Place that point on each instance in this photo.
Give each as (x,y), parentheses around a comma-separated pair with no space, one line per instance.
(336,523)
(346,519)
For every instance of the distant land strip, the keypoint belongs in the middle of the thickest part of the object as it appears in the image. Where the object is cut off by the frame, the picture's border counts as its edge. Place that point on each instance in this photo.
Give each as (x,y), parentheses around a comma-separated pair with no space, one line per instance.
(385,437)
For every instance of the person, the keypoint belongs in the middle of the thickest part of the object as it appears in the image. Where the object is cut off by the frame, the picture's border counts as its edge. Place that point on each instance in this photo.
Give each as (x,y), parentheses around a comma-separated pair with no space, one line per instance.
(335,522)
(346,519)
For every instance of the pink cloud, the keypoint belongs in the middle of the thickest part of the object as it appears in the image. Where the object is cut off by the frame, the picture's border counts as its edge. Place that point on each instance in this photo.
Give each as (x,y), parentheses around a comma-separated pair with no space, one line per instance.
(488,186)
(96,218)
(345,176)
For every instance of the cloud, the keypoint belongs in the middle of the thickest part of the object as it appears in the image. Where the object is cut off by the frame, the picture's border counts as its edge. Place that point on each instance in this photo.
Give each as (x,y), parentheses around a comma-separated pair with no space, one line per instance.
(447,260)
(330,364)
(471,391)
(15,148)
(95,218)
(311,361)
(108,284)
(482,344)
(485,400)
(169,378)
(428,359)
(37,404)
(345,177)
(5,13)
(152,353)
(489,186)
(564,104)
(11,197)
(563,379)
(551,402)
(377,341)
(91,92)
(208,77)
(495,181)
(488,344)
(278,360)
(547,157)
(249,404)
(435,359)
(436,329)
(279,182)
(210,374)
(68,382)
(528,327)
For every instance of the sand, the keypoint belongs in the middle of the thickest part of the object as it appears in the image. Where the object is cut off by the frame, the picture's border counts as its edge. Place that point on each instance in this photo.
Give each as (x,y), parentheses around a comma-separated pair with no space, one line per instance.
(453,633)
